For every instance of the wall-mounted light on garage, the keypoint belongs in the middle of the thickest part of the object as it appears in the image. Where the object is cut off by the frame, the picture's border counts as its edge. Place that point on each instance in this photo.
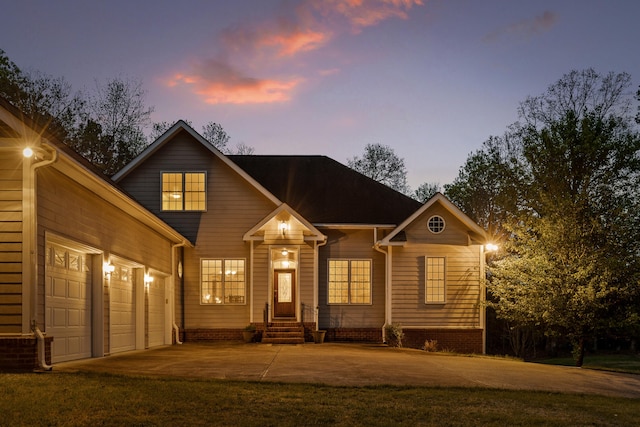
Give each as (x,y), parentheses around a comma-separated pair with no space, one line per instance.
(148,279)
(108,268)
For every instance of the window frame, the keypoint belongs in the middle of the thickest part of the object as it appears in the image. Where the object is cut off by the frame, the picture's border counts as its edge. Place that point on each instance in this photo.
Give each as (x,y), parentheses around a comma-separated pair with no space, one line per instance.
(183,190)
(428,283)
(440,219)
(349,281)
(223,283)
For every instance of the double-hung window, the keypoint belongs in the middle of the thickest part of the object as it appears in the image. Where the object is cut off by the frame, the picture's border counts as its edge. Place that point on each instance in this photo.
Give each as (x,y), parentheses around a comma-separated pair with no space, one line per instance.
(222,281)
(183,191)
(435,280)
(349,281)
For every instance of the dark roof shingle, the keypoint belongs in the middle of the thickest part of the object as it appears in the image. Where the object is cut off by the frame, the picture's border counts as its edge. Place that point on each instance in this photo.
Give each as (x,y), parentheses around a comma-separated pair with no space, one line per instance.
(325,191)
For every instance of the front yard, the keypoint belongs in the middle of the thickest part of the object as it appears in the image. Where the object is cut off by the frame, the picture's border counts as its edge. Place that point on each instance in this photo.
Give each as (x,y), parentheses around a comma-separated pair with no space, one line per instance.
(77,399)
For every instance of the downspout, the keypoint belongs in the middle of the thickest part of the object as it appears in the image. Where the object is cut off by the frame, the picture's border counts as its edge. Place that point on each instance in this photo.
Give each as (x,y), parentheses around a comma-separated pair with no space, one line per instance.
(316,307)
(251,305)
(387,282)
(483,298)
(32,250)
(173,293)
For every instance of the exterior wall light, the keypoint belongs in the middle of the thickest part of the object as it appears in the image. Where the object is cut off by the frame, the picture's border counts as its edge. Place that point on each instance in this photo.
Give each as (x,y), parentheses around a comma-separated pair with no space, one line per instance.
(108,268)
(148,279)
(284,227)
(491,247)
(27,152)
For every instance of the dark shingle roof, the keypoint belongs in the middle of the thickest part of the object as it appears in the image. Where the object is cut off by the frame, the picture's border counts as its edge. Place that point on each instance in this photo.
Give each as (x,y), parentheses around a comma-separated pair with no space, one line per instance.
(327,192)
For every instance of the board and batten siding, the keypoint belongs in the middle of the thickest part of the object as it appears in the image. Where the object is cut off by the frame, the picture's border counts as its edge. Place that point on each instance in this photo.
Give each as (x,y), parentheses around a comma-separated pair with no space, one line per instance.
(351,244)
(10,245)
(462,286)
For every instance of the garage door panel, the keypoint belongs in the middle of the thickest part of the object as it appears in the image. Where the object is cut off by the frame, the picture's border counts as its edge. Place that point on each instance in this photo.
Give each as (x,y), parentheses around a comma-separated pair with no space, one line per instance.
(59,287)
(75,290)
(68,304)
(123,321)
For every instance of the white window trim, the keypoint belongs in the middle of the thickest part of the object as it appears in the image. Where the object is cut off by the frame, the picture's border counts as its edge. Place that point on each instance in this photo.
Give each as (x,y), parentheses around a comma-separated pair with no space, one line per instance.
(349,293)
(183,172)
(444,224)
(222,304)
(426,281)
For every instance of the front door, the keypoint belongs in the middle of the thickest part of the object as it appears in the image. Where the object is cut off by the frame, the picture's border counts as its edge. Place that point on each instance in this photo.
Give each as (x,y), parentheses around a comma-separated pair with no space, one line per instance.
(284,293)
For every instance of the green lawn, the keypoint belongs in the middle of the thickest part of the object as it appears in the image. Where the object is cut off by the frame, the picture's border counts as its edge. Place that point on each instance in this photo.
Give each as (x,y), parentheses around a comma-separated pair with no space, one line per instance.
(629,363)
(102,399)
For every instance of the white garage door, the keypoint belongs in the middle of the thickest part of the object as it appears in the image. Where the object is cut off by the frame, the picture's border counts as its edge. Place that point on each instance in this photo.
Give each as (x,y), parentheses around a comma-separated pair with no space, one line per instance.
(156,312)
(68,303)
(123,315)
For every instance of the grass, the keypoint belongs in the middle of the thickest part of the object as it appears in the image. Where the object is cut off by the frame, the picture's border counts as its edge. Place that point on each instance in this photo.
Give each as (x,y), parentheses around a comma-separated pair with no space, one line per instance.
(78,399)
(627,363)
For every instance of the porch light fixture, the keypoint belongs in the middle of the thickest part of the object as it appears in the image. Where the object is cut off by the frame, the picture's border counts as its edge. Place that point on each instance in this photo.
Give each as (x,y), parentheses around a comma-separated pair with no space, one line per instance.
(285,252)
(148,279)
(284,227)
(27,152)
(491,247)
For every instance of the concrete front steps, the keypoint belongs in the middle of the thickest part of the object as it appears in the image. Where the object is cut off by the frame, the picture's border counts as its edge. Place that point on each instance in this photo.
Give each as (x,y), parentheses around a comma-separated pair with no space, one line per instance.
(283,333)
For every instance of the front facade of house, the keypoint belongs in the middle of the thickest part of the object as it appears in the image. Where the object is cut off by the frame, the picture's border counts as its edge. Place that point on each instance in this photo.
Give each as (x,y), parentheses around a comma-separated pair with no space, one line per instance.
(279,242)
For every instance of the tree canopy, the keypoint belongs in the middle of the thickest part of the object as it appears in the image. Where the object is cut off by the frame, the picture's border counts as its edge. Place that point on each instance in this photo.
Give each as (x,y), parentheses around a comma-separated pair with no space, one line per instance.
(381,163)
(560,189)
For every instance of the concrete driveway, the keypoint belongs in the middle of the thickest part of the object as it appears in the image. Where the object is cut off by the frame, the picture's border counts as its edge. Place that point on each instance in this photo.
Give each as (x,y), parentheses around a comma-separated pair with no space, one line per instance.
(355,365)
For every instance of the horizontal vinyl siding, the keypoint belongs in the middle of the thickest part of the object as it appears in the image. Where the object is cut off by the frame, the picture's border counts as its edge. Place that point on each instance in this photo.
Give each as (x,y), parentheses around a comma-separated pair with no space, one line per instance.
(10,246)
(462,270)
(71,211)
(351,244)
(233,207)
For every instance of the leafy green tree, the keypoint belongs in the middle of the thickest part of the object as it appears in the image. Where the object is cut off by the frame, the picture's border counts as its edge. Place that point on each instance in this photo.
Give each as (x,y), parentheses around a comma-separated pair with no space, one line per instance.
(562,187)
(380,162)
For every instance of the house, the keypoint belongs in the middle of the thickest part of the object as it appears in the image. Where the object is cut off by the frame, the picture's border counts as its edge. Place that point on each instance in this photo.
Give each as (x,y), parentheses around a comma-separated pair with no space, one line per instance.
(290,244)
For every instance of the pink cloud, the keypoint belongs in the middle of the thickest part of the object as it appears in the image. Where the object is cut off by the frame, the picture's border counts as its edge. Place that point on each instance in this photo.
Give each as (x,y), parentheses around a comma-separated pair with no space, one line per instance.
(362,13)
(218,83)
(248,65)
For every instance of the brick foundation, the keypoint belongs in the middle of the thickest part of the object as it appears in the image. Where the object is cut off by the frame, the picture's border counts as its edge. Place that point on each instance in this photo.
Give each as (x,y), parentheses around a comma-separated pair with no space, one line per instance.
(20,354)
(457,340)
(372,335)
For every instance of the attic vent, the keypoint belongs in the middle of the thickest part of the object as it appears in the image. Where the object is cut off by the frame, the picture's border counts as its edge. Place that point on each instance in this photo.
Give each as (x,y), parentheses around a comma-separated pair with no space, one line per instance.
(436,224)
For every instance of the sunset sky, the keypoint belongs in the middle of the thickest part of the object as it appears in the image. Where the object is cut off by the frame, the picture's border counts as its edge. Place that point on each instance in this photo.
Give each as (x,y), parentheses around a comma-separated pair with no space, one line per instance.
(433,79)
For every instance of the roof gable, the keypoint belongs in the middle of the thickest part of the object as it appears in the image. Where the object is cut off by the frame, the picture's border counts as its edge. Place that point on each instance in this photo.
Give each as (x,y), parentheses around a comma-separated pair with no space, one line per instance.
(168,136)
(325,191)
(285,224)
(398,237)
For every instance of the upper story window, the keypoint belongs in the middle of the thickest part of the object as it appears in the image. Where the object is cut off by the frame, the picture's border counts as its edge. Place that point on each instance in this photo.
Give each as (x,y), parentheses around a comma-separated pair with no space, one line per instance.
(184,191)
(436,224)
